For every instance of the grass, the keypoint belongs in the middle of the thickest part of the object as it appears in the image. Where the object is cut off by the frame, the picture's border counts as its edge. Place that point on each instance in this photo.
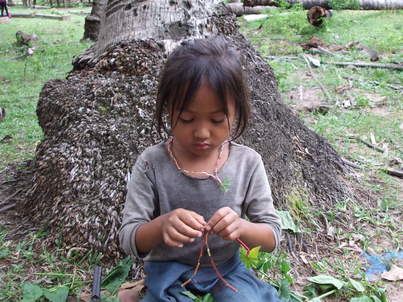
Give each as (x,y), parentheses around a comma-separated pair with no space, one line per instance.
(26,261)
(376,111)
(22,77)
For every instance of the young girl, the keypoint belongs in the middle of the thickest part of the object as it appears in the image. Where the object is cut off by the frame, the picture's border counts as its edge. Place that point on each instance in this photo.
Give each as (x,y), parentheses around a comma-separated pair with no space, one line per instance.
(189,197)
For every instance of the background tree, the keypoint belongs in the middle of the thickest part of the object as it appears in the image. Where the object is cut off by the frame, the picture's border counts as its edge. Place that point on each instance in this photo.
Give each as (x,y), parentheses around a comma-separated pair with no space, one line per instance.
(94,19)
(99,119)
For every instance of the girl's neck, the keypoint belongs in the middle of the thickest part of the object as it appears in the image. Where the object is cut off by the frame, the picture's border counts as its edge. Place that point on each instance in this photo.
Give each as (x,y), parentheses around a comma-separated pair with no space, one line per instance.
(199,167)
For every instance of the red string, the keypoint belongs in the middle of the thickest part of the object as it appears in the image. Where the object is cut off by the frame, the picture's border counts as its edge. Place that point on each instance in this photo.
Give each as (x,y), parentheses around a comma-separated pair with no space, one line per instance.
(212,262)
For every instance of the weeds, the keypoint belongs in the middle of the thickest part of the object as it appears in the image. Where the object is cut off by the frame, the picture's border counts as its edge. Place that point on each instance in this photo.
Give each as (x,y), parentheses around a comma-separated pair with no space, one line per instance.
(22,77)
(33,273)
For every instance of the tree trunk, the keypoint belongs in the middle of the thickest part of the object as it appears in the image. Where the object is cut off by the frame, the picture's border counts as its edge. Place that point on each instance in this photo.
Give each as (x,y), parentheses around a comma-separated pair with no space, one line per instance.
(98,120)
(94,20)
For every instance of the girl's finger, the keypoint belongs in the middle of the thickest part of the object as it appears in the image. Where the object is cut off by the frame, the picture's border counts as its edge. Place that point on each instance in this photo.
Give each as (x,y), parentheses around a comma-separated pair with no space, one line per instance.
(196,222)
(168,241)
(218,215)
(183,228)
(225,223)
(229,233)
(173,235)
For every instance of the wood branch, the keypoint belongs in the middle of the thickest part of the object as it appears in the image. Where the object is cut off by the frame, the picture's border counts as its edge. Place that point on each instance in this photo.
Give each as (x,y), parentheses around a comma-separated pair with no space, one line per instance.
(33,15)
(393,86)
(350,163)
(281,58)
(7,207)
(393,172)
(367,144)
(79,12)
(365,64)
(252,3)
(11,196)
(40,7)
(239,10)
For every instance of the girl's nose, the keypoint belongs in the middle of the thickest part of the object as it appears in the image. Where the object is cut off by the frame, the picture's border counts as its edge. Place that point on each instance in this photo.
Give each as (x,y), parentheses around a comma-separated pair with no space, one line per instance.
(202,132)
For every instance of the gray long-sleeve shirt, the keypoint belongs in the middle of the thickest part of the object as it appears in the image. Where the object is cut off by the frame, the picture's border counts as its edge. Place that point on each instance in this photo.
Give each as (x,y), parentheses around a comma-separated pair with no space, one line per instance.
(158,187)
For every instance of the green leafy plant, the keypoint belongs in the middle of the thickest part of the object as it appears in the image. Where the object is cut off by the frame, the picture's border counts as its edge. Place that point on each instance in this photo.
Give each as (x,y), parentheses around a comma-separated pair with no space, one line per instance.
(324,285)
(117,275)
(32,292)
(262,262)
(224,186)
(362,102)
(205,298)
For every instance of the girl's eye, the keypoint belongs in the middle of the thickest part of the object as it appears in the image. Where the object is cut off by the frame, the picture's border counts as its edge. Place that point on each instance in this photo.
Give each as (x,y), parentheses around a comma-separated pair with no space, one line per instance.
(185,121)
(218,121)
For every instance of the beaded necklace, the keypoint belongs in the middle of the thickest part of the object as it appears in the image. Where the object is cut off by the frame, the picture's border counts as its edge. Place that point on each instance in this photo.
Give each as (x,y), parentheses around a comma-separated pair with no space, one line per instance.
(223,184)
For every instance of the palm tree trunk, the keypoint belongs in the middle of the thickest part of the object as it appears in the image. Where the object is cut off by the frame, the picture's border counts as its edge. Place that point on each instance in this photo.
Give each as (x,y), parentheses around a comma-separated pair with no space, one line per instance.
(98,120)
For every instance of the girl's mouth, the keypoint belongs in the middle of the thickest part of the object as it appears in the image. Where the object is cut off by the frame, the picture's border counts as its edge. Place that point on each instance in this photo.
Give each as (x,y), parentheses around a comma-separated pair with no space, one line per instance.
(201,146)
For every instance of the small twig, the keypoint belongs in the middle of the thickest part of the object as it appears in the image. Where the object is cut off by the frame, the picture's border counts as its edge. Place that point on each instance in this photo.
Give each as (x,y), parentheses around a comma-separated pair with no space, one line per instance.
(54,274)
(393,172)
(393,86)
(350,163)
(365,64)
(11,196)
(290,245)
(7,207)
(290,58)
(368,144)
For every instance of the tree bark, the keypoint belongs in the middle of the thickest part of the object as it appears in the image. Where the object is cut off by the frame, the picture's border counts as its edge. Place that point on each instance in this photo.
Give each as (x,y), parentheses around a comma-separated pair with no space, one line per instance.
(94,20)
(98,120)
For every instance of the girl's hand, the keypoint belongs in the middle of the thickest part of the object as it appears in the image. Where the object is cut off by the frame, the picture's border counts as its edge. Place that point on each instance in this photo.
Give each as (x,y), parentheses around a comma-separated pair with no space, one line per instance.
(181,226)
(226,223)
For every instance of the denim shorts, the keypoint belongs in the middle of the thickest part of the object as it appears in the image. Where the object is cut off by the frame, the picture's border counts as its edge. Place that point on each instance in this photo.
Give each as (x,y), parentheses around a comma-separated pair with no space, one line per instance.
(164,283)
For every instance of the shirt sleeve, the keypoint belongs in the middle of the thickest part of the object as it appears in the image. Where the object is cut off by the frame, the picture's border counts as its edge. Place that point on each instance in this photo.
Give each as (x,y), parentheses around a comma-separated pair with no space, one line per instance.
(139,206)
(259,201)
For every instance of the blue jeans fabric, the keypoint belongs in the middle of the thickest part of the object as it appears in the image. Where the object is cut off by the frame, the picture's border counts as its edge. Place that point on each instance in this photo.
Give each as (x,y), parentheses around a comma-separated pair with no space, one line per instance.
(164,281)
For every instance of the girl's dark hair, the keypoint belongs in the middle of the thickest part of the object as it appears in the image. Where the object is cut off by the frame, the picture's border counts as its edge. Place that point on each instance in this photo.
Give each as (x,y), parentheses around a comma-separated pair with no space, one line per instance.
(195,62)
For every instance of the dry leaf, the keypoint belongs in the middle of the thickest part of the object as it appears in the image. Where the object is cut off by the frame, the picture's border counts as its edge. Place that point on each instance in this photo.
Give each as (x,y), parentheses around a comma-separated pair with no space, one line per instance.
(128,285)
(394,274)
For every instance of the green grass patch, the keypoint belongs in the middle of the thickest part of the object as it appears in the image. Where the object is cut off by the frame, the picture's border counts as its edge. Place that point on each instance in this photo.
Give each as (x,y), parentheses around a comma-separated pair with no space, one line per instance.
(25,264)
(22,76)
(375,112)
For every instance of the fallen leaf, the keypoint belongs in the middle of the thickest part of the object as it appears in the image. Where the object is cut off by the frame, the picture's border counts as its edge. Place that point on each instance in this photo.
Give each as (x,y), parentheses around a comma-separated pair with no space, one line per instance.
(394,274)
(127,285)
(6,139)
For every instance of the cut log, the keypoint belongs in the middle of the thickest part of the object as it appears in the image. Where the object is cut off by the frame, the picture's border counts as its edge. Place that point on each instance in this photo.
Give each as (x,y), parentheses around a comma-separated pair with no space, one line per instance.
(252,3)
(34,15)
(239,10)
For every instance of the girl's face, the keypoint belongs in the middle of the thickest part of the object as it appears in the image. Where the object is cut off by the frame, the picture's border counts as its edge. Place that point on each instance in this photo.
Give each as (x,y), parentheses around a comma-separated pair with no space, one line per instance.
(202,126)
